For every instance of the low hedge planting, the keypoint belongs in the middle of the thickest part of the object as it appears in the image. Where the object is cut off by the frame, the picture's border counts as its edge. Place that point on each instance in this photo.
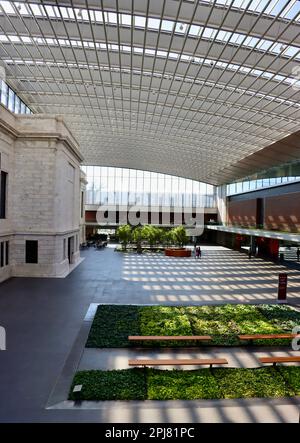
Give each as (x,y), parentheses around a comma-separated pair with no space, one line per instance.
(110,385)
(292,376)
(113,323)
(156,384)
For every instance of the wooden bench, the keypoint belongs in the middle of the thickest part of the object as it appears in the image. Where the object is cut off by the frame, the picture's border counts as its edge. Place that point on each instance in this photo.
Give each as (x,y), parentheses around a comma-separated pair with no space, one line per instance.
(169,338)
(179,362)
(267,336)
(275,360)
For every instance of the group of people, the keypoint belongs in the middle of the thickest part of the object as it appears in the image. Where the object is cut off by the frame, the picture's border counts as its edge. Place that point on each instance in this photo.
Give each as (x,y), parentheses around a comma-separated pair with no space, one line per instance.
(197,251)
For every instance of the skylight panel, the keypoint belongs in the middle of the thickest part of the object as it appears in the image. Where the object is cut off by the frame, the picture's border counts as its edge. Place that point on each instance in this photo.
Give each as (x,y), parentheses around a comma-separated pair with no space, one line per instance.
(291,51)
(7,7)
(150,52)
(265,45)
(237,38)
(153,23)
(22,8)
(185,57)
(223,36)
(195,30)
(267,75)
(3,38)
(14,39)
(162,53)
(125,19)
(251,41)
(275,7)
(181,28)
(209,33)
(279,77)
(52,11)
(138,50)
(64,12)
(258,5)
(167,25)
(98,17)
(111,18)
(26,39)
(140,21)
(37,10)
(291,10)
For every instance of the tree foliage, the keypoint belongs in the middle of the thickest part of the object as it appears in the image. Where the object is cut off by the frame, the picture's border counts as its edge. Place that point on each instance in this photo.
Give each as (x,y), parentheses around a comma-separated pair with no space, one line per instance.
(124,234)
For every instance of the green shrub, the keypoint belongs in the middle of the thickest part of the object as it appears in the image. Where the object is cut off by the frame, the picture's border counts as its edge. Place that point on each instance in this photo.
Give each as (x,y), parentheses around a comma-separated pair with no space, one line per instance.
(181,385)
(258,382)
(164,320)
(126,384)
(292,376)
(112,325)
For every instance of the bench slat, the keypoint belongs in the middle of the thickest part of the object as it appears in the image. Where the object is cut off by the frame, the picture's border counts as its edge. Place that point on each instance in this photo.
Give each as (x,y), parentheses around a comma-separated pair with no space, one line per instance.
(173,362)
(168,337)
(280,359)
(266,336)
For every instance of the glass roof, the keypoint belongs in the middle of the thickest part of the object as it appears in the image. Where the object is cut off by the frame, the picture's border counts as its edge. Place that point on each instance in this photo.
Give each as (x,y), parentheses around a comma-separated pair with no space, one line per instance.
(186,88)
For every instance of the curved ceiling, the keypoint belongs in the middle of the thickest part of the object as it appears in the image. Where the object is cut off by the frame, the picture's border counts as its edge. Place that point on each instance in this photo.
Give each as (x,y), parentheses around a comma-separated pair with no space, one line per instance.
(182,87)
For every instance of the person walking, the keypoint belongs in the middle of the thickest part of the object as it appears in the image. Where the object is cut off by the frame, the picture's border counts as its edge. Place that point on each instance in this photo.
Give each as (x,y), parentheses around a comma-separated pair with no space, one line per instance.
(200,252)
(298,254)
(197,252)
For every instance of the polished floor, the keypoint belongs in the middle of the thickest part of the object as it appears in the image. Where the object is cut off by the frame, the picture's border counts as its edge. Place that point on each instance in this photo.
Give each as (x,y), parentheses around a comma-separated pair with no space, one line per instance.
(42,318)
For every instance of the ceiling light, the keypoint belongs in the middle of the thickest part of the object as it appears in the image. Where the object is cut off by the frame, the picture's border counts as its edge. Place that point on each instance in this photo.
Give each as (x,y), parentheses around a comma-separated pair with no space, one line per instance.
(181,27)
(79,14)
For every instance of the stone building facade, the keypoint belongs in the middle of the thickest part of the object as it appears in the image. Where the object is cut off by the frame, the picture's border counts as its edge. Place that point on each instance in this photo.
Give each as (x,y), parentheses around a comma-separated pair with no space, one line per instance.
(40,193)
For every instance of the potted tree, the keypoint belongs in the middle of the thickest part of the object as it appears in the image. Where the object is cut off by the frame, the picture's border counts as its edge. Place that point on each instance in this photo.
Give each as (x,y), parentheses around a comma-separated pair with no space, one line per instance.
(180,239)
(124,234)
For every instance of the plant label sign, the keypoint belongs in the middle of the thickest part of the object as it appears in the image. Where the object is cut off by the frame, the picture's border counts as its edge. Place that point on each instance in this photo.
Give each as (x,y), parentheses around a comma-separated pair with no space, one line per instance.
(282,287)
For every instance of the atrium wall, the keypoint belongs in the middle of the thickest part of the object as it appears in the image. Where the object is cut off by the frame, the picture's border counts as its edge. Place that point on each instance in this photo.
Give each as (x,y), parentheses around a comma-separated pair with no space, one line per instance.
(275,208)
(41,223)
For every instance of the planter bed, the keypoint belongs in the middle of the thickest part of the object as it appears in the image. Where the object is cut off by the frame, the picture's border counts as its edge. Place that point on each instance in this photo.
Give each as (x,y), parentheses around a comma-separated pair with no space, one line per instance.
(154,384)
(178,252)
(113,324)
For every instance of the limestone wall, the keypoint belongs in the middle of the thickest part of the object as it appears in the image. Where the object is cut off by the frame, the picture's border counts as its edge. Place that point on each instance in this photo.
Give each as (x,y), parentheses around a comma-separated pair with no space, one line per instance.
(42,160)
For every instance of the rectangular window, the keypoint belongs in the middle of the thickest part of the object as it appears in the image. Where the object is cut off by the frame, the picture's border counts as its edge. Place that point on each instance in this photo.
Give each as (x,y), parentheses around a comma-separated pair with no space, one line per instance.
(7,253)
(17,105)
(2,254)
(3,184)
(82,200)
(4,93)
(23,108)
(31,251)
(11,100)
